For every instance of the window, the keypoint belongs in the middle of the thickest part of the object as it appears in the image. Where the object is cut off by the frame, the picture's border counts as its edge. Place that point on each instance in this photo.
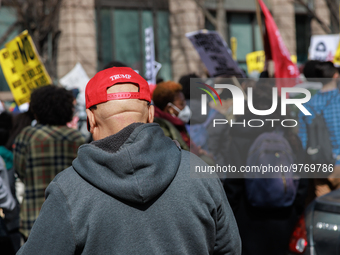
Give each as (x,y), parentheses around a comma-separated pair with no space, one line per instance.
(121,36)
(244,27)
(303,34)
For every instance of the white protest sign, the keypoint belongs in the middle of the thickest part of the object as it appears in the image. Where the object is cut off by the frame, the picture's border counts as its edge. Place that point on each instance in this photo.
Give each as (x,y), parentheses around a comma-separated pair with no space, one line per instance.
(75,79)
(157,66)
(323,47)
(214,53)
(150,74)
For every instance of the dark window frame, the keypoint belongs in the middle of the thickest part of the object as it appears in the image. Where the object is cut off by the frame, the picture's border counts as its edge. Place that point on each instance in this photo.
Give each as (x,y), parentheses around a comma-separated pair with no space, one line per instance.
(136,5)
(253,22)
(308,33)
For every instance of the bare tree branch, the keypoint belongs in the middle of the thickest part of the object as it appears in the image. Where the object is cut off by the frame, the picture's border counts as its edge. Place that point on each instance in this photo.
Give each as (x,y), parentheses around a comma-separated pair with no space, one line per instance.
(221,25)
(40,18)
(8,32)
(207,14)
(334,11)
(325,27)
(220,22)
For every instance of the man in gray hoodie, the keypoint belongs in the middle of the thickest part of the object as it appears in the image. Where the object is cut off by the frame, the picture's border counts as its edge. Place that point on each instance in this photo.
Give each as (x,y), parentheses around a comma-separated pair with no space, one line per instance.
(130,191)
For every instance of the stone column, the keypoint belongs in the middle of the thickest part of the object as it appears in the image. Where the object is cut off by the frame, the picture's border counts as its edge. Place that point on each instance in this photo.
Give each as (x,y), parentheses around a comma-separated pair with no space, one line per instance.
(185,16)
(284,15)
(78,37)
(322,11)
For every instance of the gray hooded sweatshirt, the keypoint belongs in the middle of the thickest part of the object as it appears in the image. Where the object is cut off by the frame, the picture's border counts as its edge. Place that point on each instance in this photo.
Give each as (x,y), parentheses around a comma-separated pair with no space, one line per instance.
(135,198)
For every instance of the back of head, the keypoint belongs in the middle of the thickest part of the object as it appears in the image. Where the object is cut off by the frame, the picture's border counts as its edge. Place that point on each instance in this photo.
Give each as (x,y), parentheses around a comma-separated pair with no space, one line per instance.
(52,105)
(165,93)
(326,71)
(185,82)
(309,69)
(115,98)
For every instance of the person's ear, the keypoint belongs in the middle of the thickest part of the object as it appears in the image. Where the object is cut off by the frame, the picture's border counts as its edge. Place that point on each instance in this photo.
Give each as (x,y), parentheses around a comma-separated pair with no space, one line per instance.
(336,75)
(92,121)
(151,114)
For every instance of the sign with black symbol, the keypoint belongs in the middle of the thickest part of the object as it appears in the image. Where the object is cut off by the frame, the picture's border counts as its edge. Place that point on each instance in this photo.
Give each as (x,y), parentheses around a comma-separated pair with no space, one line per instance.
(323,47)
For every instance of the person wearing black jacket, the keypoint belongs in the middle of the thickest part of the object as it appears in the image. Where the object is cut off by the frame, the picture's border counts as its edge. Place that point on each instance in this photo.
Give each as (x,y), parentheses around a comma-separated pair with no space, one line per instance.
(262,230)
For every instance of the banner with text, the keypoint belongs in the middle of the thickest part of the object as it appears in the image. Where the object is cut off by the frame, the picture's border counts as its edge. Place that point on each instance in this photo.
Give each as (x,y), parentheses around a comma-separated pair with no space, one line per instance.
(214,53)
(23,68)
(255,61)
(323,47)
(150,74)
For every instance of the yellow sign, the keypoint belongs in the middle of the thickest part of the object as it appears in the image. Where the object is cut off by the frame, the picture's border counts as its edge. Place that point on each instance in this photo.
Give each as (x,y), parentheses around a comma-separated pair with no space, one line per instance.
(22,67)
(336,59)
(255,61)
(293,58)
(233,44)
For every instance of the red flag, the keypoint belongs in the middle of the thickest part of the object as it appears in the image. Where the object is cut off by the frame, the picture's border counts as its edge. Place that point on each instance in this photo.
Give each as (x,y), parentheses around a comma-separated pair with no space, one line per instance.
(284,67)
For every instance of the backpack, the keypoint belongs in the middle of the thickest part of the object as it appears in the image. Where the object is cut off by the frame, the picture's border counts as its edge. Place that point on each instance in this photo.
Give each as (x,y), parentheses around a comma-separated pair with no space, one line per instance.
(198,132)
(319,145)
(275,188)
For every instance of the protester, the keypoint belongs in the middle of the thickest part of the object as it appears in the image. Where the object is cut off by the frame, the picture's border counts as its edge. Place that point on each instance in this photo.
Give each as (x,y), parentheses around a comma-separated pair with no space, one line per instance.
(42,151)
(75,123)
(169,101)
(5,128)
(20,121)
(172,114)
(193,99)
(8,201)
(309,70)
(201,130)
(326,102)
(7,206)
(219,135)
(263,230)
(185,82)
(134,192)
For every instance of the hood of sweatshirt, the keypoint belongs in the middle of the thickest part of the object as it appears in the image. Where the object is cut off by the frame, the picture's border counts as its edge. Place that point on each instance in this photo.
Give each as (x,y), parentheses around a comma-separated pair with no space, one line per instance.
(140,170)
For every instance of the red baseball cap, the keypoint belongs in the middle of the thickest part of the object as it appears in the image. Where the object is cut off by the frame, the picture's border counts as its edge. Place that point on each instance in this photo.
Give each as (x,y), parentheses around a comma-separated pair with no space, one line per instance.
(96,88)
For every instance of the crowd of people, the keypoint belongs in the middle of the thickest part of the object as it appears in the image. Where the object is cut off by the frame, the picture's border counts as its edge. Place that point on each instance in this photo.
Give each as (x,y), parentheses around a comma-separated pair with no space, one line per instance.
(128,190)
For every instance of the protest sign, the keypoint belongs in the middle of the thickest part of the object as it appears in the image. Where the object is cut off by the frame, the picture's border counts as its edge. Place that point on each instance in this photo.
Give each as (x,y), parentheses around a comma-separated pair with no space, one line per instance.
(22,67)
(323,47)
(76,78)
(157,67)
(214,53)
(293,58)
(336,59)
(150,75)
(255,61)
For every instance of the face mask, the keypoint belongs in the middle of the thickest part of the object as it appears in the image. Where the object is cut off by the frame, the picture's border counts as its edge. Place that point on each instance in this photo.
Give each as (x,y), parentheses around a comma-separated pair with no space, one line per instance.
(184,115)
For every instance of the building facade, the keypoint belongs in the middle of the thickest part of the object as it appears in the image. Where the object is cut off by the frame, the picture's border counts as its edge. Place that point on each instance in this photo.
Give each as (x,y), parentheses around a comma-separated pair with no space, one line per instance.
(95,32)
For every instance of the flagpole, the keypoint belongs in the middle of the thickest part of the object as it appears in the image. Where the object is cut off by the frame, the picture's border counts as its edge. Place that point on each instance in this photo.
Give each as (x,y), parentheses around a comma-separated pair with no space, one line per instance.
(269,63)
(259,21)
